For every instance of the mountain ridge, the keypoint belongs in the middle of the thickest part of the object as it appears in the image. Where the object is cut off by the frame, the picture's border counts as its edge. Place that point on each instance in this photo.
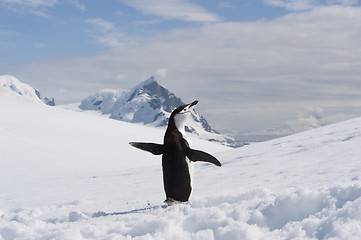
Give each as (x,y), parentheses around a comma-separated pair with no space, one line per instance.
(149,103)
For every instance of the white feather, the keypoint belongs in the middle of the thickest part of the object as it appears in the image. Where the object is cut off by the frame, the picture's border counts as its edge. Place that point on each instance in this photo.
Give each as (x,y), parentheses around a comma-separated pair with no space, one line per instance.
(180,120)
(191,173)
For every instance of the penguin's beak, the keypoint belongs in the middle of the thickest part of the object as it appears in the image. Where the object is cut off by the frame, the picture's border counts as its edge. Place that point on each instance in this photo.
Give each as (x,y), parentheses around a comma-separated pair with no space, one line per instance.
(188,107)
(193,104)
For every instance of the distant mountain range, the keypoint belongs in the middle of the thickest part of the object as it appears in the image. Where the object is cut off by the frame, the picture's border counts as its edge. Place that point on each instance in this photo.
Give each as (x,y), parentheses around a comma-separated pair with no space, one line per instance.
(148,103)
(151,104)
(11,86)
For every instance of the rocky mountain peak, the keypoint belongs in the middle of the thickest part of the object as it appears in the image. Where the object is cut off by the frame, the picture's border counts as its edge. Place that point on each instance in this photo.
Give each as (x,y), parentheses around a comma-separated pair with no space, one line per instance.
(149,103)
(160,96)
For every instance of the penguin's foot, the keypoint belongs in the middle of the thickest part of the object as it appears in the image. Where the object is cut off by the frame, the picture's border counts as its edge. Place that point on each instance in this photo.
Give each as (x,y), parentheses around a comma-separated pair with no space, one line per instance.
(171,202)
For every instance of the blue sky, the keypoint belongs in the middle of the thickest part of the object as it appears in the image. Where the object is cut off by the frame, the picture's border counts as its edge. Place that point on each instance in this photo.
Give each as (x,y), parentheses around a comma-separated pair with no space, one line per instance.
(266,65)
(33,30)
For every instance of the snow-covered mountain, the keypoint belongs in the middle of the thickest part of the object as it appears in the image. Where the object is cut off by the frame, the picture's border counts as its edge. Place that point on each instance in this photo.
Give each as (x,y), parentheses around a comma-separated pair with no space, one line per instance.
(72,175)
(151,104)
(12,87)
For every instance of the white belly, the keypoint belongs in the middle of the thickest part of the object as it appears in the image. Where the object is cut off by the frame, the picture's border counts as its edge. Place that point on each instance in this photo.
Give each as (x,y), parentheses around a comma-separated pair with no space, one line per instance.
(191,172)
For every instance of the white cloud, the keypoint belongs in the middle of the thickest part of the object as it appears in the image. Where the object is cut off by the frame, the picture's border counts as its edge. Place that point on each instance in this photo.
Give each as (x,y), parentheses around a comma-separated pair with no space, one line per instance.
(173,9)
(32,3)
(36,7)
(297,5)
(338,117)
(111,40)
(33,7)
(293,4)
(77,4)
(343,2)
(161,73)
(106,33)
(101,25)
(246,75)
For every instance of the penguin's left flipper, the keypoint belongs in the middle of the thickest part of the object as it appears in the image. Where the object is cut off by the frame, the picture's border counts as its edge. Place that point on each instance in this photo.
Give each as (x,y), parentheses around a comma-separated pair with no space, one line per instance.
(196,155)
(156,149)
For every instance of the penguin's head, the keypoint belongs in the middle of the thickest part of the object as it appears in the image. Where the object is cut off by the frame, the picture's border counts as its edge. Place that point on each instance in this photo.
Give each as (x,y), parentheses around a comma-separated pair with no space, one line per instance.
(179,115)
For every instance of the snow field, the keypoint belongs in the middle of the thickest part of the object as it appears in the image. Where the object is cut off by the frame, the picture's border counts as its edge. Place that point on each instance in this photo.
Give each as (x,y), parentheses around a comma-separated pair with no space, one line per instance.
(72,175)
(47,149)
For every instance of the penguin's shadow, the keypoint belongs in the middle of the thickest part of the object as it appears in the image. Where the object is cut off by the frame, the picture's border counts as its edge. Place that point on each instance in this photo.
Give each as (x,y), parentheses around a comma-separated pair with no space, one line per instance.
(139,210)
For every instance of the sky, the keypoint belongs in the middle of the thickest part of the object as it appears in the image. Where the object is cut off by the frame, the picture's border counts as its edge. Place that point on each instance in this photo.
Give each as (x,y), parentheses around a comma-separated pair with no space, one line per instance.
(260,67)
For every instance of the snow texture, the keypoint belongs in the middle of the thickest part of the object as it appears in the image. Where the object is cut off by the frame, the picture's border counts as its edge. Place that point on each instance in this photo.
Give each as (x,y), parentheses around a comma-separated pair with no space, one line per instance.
(12,87)
(151,104)
(73,175)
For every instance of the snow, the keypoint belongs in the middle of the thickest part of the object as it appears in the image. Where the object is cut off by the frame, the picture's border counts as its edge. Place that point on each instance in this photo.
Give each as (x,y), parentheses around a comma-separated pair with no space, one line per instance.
(103,100)
(12,87)
(73,175)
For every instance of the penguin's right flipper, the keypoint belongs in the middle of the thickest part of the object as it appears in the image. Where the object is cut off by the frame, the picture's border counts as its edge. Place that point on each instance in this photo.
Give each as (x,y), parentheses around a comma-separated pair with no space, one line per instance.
(156,149)
(196,155)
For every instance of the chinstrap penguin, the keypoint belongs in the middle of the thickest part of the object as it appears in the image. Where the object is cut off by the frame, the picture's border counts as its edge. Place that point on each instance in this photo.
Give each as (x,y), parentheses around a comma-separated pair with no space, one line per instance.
(178,157)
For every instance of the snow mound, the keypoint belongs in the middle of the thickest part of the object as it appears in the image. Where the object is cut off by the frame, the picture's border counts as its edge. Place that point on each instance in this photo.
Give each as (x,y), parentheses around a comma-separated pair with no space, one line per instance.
(334,213)
(12,87)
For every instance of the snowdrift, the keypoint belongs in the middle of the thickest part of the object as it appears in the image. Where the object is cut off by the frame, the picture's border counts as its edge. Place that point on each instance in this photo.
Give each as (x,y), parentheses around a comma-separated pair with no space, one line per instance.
(72,175)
